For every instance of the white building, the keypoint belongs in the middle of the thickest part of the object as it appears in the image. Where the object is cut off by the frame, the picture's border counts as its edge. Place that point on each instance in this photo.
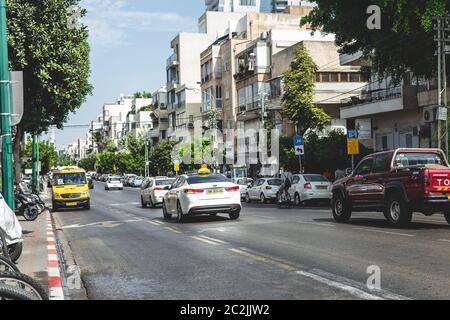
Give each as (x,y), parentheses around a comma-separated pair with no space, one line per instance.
(276,6)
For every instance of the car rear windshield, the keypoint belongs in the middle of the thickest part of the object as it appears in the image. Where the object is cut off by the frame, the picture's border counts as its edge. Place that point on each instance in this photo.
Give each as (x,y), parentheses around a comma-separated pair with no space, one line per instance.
(115,179)
(315,178)
(207,179)
(244,182)
(275,182)
(407,159)
(167,182)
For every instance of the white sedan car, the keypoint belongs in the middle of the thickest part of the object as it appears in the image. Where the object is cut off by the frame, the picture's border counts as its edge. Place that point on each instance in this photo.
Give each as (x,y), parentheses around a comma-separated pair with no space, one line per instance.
(202,194)
(114,183)
(153,191)
(264,189)
(243,185)
(310,187)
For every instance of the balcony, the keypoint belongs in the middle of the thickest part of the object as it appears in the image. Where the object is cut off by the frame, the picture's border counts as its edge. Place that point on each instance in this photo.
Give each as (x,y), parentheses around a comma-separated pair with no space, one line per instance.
(173,84)
(180,104)
(377,102)
(207,78)
(172,61)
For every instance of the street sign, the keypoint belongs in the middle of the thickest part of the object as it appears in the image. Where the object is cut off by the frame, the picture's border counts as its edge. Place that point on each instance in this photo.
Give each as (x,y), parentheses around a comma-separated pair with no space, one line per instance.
(299,141)
(352,146)
(352,134)
(28,171)
(176,167)
(299,151)
(442,114)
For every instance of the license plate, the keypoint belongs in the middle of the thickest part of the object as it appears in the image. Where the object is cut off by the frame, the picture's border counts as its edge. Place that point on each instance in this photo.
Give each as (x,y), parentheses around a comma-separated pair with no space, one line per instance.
(212,191)
(71,204)
(322,187)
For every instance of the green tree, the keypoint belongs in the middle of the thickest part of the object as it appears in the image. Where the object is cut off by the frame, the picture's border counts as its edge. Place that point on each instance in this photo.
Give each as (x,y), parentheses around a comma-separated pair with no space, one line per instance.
(54,57)
(65,160)
(48,156)
(161,160)
(298,95)
(143,94)
(106,162)
(89,163)
(404,42)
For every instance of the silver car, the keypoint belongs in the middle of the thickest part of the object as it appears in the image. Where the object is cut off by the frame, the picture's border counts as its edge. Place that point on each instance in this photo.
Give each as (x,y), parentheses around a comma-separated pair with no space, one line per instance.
(153,191)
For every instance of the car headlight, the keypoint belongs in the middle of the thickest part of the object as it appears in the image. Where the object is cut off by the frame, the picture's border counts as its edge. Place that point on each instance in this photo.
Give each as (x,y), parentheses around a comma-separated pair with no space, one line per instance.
(85,194)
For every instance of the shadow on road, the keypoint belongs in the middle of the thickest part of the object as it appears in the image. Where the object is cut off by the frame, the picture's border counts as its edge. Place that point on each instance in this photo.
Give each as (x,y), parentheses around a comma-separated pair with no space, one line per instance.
(196,219)
(384,224)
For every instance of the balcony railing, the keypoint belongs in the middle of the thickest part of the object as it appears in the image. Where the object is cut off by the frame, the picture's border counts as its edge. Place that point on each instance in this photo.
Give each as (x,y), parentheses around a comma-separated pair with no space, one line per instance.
(172,60)
(372,96)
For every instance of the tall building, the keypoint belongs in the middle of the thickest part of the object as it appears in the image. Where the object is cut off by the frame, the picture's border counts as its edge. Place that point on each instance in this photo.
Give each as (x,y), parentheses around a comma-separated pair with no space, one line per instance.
(275,6)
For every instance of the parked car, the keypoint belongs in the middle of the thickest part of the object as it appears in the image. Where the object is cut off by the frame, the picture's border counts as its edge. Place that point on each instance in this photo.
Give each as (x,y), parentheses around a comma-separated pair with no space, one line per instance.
(128,179)
(202,194)
(310,187)
(243,184)
(114,183)
(263,189)
(397,183)
(136,182)
(90,183)
(153,190)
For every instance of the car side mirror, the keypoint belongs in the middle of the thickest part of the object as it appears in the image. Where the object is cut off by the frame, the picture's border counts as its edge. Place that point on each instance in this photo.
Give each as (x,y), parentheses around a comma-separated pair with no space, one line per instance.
(167,188)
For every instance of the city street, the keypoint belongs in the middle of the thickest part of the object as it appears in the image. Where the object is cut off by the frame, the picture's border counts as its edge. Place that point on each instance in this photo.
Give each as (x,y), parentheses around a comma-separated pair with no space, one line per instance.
(128,252)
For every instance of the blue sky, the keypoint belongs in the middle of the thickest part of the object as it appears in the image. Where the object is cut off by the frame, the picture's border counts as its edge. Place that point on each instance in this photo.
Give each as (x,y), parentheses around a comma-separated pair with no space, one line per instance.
(130,41)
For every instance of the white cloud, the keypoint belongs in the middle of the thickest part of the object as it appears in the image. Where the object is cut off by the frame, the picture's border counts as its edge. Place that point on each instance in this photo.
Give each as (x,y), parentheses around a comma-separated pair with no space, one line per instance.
(111,21)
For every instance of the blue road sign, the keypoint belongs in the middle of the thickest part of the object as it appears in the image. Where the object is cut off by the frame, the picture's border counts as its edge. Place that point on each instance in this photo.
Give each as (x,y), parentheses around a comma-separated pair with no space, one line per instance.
(299,141)
(352,134)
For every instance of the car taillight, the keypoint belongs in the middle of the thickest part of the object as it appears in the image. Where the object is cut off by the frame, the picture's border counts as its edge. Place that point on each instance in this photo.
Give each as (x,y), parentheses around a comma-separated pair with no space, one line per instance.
(307,186)
(426,183)
(232,189)
(268,188)
(157,189)
(193,191)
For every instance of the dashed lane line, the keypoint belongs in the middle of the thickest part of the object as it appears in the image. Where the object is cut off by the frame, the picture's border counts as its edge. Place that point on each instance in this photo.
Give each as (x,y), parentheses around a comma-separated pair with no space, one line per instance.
(206,241)
(173,230)
(386,232)
(213,239)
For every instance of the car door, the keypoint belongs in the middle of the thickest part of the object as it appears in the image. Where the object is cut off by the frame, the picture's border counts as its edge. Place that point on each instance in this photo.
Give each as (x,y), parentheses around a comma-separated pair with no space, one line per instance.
(171,196)
(357,188)
(257,189)
(376,180)
(147,185)
(251,191)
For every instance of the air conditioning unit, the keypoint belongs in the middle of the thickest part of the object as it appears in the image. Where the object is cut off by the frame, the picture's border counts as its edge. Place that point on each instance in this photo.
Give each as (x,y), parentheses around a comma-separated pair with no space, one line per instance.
(429,114)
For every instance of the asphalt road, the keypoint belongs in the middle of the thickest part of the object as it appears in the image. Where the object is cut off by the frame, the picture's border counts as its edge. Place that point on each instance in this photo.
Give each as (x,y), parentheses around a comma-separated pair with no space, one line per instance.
(127,252)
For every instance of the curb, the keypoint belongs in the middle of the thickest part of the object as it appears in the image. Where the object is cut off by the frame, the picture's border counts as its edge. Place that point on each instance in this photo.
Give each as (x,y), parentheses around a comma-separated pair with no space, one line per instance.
(54,274)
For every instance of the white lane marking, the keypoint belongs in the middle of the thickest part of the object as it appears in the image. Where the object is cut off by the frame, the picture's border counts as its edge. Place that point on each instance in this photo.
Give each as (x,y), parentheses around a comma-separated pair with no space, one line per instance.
(213,239)
(255,256)
(173,230)
(386,232)
(154,223)
(205,241)
(105,224)
(341,286)
(158,222)
(385,294)
(444,240)
(317,224)
(124,204)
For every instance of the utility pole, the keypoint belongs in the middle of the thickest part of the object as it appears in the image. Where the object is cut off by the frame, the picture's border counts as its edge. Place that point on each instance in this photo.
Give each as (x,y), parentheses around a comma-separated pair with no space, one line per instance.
(38,165)
(34,161)
(442,28)
(5,113)
(147,169)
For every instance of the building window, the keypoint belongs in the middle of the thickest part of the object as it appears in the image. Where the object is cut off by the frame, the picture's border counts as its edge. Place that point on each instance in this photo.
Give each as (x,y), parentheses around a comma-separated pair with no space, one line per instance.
(248,3)
(344,76)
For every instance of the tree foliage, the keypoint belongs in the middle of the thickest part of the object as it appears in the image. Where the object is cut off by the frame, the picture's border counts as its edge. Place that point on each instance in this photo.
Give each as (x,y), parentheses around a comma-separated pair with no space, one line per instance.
(161,161)
(404,42)
(298,95)
(48,156)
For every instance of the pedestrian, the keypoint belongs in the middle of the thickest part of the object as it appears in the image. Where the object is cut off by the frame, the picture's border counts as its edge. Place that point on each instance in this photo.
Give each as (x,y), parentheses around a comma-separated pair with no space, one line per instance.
(339,174)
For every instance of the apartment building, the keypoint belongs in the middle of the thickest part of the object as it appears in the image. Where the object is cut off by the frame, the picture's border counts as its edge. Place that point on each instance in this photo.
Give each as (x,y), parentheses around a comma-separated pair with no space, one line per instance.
(115,118)
(159,116)
(393,115)
(276,6)
(184,96)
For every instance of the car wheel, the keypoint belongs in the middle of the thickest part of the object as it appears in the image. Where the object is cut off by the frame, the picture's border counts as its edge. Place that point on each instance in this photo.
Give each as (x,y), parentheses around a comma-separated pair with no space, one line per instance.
(397,210)
(15,251)
(151,204)
(143,204)
(341,209)
(447,216)
(247,198)
(262,198)
(179,213)
(297,200)
(235,215)
(166,215)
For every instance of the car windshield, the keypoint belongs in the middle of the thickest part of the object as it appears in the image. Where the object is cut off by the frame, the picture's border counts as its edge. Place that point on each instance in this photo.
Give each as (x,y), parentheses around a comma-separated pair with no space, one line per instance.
(315,178)
(407,159)
(166,182)
(64,179)
(207,179)
(275,182)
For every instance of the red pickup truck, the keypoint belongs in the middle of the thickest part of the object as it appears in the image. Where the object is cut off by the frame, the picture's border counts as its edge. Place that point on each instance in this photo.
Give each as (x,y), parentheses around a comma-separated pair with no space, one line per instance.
(397,183)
